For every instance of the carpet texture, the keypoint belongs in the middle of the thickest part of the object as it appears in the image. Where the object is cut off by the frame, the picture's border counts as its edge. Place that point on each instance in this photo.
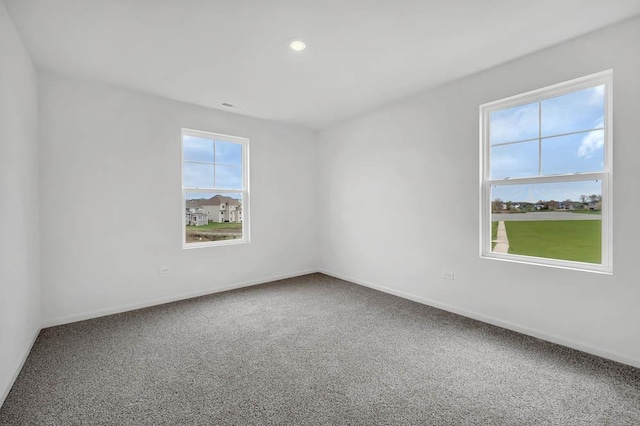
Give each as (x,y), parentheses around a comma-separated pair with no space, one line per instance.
(310,350)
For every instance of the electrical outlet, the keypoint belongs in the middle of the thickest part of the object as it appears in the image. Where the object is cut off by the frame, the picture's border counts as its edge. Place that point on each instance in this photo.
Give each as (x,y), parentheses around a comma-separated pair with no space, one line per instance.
(164,270)
(448,275)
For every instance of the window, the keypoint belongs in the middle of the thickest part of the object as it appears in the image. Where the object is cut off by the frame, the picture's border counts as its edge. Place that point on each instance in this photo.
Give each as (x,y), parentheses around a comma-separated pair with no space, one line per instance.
(546,176)
(215,176)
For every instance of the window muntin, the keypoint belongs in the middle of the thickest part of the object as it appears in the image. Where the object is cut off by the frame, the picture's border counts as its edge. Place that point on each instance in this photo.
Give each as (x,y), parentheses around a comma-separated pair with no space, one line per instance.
(546,157)
(215,190)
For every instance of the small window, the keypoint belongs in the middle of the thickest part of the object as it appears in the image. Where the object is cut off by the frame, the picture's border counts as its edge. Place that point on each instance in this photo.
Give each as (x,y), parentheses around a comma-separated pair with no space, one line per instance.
(546,176)
(215,175)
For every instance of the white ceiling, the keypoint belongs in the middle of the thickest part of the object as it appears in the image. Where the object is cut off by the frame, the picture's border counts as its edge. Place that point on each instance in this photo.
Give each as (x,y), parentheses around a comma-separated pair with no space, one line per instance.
(361,53)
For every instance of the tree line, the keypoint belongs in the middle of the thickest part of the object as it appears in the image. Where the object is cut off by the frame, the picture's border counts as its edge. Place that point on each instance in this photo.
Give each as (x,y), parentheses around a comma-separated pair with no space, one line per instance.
(593,201)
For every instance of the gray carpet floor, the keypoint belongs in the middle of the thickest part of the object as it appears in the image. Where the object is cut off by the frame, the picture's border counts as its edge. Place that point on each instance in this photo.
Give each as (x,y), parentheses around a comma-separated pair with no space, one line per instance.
(310,350)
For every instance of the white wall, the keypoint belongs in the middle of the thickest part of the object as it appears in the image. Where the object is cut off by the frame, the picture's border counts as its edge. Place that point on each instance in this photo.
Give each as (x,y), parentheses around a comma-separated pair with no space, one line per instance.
(420,157)
(19,252)
(111,201)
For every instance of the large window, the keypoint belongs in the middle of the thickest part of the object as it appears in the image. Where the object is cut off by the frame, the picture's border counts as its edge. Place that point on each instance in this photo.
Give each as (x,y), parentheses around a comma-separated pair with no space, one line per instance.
(546,176)
(215,189)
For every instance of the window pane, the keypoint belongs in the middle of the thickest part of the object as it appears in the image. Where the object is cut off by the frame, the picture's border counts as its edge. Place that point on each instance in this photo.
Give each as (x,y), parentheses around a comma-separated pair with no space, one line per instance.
(197,175)
(550,220)
(514,160)
(212,217)
(579,153)
(197,149)
(228,153)
(576,111)
(229,177)
(514,124)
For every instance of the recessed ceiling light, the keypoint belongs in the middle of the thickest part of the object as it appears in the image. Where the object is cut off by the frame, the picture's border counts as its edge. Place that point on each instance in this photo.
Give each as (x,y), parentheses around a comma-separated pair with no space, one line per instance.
(297,45)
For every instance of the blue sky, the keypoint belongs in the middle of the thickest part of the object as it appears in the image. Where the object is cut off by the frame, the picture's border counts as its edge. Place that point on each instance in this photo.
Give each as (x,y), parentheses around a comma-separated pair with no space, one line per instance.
(200,170)
(511,156)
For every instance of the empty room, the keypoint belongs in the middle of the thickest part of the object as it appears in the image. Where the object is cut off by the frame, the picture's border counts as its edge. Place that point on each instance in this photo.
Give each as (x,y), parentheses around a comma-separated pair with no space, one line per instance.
(282,212)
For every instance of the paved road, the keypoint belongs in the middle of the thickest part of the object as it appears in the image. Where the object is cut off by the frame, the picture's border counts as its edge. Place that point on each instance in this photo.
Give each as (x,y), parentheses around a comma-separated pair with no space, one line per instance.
(544,216)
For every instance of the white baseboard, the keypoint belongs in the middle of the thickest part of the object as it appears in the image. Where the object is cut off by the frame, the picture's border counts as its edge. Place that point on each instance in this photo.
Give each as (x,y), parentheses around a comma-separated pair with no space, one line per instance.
(148,303)
(550,337)
(560,340)
(25,355)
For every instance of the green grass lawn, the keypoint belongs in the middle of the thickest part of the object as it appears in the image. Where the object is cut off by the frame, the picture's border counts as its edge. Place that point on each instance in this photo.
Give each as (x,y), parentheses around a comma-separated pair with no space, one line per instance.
(494,233)
(598,212)
(578,240)
(218,226)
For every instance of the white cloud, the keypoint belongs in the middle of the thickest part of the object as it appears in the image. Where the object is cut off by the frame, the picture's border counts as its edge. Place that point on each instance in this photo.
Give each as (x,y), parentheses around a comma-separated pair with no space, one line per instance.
(573,111)
(591,142)
(505,165)
(514,123)
(597,95)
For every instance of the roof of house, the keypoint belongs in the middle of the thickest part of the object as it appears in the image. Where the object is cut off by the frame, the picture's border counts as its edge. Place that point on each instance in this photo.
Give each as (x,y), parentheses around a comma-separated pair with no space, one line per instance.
(194,213)
(216,200)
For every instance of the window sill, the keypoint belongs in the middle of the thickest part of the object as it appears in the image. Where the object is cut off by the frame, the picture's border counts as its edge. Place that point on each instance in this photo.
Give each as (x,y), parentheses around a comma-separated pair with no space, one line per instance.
(550,263)
(190,246)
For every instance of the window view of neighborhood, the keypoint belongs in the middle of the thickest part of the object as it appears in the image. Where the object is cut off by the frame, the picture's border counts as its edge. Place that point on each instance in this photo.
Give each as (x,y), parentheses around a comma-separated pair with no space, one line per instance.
(214,188)
(565,226)
(213,217)
(546,162)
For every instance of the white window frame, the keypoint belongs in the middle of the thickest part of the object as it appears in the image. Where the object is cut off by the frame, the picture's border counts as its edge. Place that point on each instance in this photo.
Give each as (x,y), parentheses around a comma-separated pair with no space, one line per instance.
(606,176)
(244,142)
